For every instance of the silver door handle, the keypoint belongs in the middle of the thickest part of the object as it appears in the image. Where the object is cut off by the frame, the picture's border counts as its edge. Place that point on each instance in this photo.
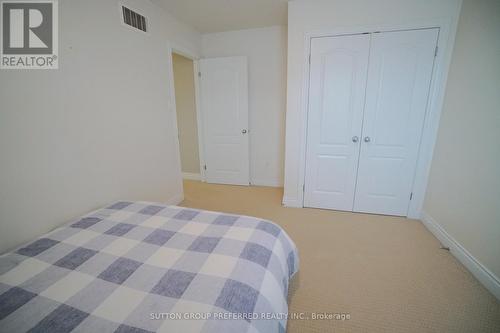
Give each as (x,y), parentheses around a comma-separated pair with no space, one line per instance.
(244,131)
(367,139)
(355,139)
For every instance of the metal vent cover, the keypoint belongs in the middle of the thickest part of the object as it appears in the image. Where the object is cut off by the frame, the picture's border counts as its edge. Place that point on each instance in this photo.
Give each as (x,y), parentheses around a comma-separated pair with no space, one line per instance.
(134,19)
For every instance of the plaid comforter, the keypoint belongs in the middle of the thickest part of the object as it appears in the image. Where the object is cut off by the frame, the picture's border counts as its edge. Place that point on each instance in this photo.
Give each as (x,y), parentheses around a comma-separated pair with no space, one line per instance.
(145,267)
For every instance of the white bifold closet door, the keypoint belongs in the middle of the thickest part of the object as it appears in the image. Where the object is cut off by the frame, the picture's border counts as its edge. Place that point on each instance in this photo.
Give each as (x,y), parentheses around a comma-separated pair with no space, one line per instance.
(336,101)
(397,92)
(367,103)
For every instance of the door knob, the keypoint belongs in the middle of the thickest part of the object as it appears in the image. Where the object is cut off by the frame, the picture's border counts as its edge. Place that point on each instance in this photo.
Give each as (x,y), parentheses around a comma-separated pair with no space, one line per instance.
(367,139)
(355,139)
(244,131)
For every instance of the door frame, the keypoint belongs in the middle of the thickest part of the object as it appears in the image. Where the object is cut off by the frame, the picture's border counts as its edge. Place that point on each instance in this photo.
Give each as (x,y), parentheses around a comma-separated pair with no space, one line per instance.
(446,38)
(199,119)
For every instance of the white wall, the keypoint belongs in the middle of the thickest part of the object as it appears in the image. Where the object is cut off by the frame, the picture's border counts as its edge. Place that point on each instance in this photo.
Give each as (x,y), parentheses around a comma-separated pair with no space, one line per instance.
(185,106)
(463,195)
(266,52)
(325,15)
(96,130)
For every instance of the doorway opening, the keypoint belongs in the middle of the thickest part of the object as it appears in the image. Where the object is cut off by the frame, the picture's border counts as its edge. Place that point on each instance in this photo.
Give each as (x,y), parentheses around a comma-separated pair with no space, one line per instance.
(187,123)
(211,108)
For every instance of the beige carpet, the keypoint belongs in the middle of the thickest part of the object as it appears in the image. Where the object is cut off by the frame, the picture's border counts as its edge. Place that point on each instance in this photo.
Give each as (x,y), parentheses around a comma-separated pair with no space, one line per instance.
(387,273)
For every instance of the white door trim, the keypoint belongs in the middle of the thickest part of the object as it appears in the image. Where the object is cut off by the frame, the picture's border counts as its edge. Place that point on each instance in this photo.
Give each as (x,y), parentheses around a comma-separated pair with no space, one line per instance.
(445,44)
(483,274)
(191,176)
(199,121)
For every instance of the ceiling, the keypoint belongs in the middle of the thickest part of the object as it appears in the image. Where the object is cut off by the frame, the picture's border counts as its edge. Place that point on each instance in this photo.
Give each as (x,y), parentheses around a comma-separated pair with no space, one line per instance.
(225,15)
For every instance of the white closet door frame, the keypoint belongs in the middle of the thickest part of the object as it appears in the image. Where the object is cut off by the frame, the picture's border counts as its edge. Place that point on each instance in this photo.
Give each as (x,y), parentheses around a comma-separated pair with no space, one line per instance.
(447,32)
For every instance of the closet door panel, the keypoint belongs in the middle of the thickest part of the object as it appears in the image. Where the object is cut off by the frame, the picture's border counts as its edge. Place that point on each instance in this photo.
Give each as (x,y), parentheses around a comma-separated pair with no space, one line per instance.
(397,92)
(336,95)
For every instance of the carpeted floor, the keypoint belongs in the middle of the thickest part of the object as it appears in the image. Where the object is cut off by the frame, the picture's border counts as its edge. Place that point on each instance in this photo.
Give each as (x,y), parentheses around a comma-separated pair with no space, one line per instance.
(387,273)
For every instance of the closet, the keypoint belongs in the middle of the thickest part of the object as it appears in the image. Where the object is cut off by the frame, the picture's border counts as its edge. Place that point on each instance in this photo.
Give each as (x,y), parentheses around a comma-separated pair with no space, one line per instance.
(367,103)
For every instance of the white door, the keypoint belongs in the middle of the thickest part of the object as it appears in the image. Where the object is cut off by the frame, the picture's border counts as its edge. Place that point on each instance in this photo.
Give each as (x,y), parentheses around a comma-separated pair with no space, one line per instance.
(336,97)
(397,91)
(224,109)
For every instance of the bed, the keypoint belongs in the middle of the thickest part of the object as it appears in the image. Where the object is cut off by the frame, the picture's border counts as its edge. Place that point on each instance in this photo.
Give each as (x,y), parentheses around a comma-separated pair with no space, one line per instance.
(147,267)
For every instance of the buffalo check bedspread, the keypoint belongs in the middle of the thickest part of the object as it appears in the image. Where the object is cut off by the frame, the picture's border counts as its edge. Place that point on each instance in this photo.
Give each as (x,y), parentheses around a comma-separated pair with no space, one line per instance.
(147,267)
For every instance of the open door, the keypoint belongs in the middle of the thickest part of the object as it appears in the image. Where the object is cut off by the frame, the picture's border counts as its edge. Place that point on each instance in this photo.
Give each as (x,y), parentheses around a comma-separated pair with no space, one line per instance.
(224,111)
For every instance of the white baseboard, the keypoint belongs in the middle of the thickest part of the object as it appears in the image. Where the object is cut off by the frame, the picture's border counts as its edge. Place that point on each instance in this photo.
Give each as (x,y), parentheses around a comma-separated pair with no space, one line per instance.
(484,275)
(176,199)
(292,202)
(268,182)
(191,176)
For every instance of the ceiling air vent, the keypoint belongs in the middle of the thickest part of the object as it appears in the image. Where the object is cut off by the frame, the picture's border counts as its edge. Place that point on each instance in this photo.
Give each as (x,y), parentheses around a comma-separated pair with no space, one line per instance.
(134,19)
